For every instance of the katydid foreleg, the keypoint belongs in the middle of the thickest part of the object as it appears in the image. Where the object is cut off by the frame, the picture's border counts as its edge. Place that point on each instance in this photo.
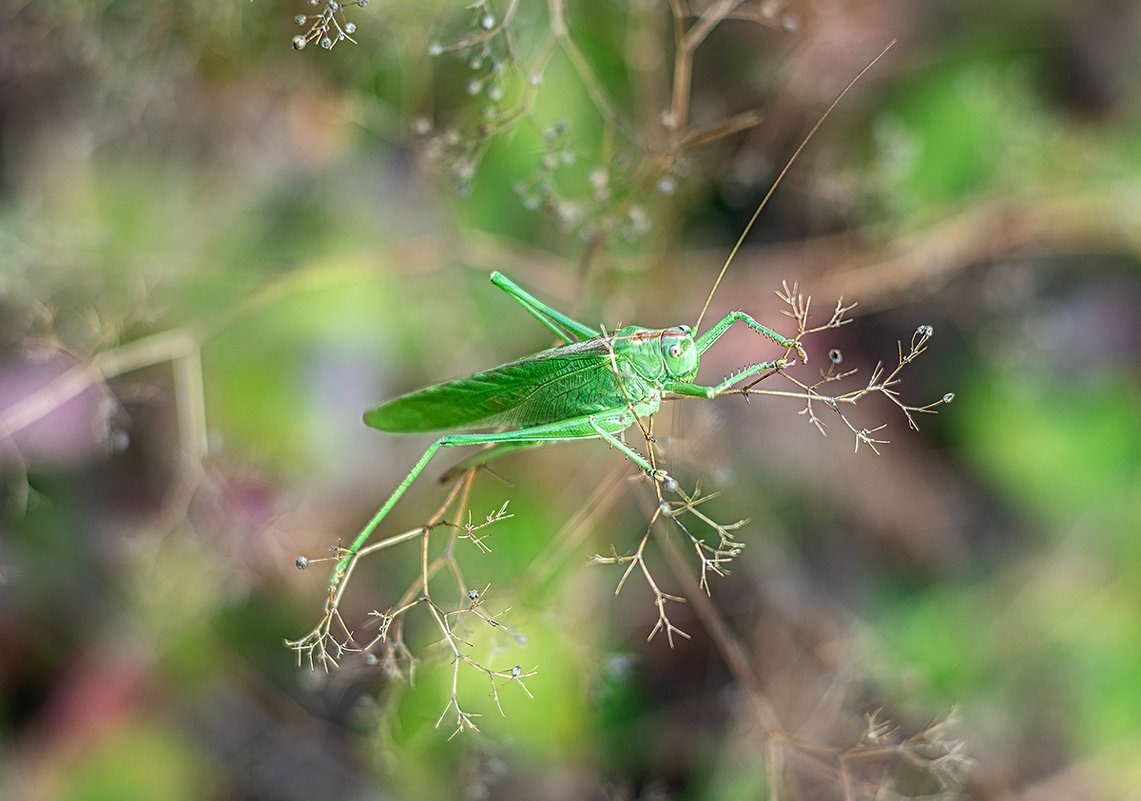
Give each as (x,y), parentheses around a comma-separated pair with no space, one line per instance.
(707,339)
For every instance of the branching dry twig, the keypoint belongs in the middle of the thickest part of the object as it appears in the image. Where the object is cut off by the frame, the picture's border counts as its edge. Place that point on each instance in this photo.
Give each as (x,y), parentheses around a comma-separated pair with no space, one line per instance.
(878,382)
(329,26)
(331,639)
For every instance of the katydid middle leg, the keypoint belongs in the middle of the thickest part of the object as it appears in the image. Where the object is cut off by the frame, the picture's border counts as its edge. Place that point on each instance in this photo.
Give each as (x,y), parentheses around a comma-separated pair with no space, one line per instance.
(699,391)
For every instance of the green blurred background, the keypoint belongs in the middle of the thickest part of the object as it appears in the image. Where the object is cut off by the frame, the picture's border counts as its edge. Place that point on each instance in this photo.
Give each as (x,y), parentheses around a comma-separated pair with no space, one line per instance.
(180,187)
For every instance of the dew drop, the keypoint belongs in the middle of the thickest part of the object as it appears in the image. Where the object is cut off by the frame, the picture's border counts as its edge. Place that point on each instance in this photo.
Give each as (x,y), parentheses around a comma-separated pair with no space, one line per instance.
(120,440)
(464,170)
(638,219)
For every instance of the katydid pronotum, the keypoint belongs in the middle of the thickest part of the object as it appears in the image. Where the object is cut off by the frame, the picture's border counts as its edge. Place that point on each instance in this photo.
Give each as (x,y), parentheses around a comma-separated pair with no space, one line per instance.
(594,386)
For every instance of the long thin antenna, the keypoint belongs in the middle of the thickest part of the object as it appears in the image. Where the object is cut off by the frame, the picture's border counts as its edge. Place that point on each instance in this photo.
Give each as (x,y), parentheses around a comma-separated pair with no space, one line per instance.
(780,177)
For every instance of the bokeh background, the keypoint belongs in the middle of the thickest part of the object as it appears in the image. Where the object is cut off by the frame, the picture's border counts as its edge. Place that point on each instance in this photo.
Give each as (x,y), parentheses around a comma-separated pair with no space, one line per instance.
(217,251)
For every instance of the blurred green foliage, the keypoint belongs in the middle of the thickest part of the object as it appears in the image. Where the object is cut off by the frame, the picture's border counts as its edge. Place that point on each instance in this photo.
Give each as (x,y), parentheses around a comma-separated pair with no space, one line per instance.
(322,223)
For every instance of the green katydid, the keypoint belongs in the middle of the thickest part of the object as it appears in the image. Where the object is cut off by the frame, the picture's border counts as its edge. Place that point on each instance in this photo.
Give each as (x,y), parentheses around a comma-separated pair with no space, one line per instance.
(594,386)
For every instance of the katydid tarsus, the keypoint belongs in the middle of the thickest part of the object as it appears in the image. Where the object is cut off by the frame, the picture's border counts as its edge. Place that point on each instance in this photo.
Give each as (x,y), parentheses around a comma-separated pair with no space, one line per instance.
(595,385)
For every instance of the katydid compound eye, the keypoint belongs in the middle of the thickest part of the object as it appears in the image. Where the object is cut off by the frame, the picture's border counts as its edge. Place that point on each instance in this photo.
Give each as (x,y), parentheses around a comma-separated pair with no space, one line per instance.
(675,350)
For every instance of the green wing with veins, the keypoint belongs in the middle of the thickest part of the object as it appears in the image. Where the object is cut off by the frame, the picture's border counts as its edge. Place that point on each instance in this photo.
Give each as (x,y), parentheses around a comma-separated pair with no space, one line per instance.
(552,385)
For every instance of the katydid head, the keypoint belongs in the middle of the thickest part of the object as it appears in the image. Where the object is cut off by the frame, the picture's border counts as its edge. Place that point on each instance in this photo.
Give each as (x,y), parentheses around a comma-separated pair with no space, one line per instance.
(679,353)
(658,353)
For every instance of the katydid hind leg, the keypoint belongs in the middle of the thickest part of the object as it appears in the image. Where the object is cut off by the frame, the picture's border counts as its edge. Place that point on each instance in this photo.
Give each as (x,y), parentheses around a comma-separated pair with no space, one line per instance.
(350,554)
(518,438)
(559,323)
(485,455)
(604,426)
